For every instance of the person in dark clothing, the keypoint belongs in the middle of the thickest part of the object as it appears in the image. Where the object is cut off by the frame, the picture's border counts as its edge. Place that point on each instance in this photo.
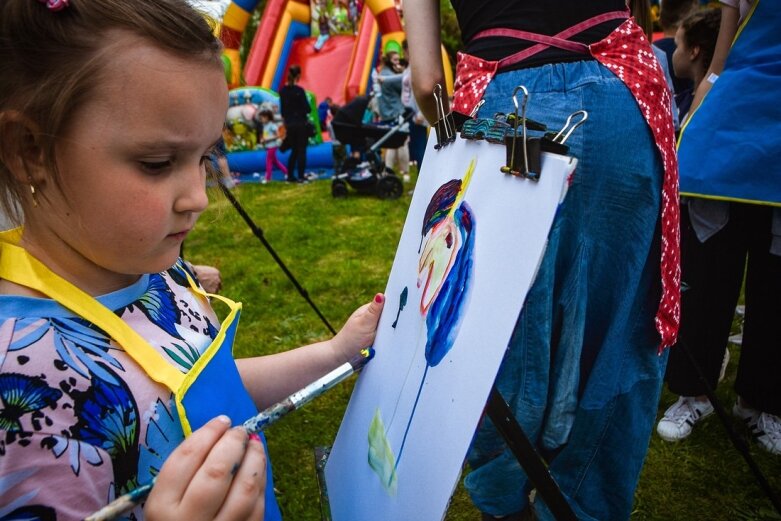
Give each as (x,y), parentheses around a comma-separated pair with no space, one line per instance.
(294,107)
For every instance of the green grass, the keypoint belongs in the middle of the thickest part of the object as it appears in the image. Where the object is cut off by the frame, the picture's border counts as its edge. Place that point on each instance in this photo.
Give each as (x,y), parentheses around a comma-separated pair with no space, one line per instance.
(341,252)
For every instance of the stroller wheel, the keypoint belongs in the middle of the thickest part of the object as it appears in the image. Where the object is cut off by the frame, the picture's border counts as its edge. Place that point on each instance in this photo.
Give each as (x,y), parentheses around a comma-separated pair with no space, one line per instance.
(338,188)
(389,187)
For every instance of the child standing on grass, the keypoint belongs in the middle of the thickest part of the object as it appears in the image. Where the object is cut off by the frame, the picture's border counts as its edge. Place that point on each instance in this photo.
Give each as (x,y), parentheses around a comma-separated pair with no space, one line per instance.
(271,141)
(114,369)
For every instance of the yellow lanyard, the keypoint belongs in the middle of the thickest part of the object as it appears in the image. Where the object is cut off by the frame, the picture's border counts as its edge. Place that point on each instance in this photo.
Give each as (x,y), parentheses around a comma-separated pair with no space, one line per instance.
(19,267)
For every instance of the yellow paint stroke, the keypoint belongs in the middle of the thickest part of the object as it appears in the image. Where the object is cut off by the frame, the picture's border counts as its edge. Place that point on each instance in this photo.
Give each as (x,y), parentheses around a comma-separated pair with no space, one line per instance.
(381,458)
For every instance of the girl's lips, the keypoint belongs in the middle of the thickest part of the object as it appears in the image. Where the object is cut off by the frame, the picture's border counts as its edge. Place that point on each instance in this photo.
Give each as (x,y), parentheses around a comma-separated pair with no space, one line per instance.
(179,236)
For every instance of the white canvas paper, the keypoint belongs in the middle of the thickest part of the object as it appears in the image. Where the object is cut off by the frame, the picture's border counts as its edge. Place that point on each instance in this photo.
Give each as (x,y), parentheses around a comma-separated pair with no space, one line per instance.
(505,220)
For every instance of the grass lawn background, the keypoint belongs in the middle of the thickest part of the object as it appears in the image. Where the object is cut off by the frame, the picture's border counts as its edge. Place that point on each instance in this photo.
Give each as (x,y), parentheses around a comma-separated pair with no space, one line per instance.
(341,251)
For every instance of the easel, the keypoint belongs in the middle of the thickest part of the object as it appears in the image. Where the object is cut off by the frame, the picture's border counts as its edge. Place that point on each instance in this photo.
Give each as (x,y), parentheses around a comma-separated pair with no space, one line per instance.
(523,160)
(530,460)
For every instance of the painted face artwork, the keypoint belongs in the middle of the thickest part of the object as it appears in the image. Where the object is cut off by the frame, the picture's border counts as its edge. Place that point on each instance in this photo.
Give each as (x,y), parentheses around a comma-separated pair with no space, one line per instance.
(444,276)
(442,244)
(445,266)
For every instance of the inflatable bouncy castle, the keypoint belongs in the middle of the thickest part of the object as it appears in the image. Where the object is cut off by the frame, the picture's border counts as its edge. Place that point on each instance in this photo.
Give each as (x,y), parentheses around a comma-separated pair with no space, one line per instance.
(337,43)
(340,69)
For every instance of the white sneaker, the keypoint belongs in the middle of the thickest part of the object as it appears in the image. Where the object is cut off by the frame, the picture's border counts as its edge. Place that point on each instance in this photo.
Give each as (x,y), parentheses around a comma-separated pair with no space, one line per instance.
(765,427)
(736,339)
(678,421)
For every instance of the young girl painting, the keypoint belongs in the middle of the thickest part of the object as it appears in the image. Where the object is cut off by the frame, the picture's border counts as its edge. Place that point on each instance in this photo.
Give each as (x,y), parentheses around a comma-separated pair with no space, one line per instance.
(114,369)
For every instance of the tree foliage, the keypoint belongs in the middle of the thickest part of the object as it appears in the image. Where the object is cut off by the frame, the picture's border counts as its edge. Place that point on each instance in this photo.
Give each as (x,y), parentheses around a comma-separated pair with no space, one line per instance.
(249,33)
(450,32)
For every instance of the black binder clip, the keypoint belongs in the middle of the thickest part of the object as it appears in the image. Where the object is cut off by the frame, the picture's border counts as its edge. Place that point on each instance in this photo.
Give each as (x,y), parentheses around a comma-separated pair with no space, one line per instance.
(529,149)
(459,118)
(445,126)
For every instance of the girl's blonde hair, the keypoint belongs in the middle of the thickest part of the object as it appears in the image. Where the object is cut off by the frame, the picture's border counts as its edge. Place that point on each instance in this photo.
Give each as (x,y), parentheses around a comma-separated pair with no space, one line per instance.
(51,61)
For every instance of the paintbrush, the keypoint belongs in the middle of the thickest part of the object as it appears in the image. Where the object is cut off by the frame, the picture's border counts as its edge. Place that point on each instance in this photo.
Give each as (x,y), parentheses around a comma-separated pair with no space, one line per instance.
(256,424)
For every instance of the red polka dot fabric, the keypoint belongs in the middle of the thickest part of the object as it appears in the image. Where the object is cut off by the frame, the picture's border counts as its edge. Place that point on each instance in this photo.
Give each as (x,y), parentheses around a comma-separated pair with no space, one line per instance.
(472,77)
(628,54)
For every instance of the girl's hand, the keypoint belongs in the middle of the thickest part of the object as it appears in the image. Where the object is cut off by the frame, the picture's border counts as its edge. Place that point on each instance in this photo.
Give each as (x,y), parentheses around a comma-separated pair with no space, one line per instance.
(217,473)
(209,277)
(359,330)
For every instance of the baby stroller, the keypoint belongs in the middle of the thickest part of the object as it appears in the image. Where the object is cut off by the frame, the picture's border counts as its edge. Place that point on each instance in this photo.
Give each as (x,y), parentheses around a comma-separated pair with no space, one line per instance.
(368,175)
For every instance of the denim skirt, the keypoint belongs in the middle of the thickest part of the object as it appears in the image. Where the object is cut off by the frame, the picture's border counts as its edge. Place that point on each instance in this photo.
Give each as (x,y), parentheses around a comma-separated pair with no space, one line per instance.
(582,372)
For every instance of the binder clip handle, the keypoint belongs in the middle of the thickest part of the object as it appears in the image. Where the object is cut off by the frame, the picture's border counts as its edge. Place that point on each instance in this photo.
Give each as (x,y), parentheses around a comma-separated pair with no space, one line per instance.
(476,108)
(561,137)
(445,126)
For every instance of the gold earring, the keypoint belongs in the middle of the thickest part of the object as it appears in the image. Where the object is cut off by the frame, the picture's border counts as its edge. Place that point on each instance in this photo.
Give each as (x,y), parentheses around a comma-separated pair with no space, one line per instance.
(33,194)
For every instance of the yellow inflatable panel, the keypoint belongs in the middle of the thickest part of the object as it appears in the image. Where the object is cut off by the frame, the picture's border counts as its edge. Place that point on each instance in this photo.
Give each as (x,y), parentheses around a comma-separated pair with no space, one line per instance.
(236,18)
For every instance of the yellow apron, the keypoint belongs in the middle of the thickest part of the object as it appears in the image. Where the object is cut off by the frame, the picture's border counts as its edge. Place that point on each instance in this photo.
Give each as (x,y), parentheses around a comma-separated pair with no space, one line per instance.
(211,387)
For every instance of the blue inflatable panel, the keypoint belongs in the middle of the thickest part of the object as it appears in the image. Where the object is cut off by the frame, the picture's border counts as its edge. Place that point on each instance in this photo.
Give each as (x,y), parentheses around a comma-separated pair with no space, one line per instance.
(247,5)
(317,157)
(256,95)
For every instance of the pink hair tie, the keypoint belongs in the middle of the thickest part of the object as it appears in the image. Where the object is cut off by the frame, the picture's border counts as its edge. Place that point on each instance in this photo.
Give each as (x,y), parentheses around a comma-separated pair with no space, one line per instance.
(55,5)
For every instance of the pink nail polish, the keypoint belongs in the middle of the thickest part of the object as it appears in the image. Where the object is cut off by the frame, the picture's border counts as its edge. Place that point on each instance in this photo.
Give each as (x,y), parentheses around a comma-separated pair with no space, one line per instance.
(255,436)
(379,298)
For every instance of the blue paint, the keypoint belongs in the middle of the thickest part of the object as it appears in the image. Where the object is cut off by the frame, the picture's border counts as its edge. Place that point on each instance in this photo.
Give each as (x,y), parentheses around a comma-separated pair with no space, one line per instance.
(445,313)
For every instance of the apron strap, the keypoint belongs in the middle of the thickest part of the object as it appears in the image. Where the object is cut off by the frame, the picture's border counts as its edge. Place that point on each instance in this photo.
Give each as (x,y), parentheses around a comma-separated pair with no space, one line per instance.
(559,40)
(19,267)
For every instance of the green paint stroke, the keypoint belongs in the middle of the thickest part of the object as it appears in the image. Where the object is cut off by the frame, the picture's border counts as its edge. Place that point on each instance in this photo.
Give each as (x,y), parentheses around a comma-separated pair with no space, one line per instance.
(381,458)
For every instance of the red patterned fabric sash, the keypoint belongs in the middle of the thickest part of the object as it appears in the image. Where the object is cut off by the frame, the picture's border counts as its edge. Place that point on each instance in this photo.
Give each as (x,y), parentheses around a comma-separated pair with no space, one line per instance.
(472,77)
(628,54)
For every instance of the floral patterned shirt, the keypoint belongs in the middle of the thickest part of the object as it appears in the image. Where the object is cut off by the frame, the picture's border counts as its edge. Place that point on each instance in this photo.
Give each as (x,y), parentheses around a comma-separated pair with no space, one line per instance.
(80,421)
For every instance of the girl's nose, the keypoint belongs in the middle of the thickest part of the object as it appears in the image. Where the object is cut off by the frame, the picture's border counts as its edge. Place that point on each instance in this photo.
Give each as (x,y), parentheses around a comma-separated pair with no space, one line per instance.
(192,190)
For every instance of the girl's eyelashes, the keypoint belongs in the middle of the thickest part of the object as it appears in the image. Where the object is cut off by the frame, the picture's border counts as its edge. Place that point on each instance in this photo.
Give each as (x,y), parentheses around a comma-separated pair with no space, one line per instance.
(156,167)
